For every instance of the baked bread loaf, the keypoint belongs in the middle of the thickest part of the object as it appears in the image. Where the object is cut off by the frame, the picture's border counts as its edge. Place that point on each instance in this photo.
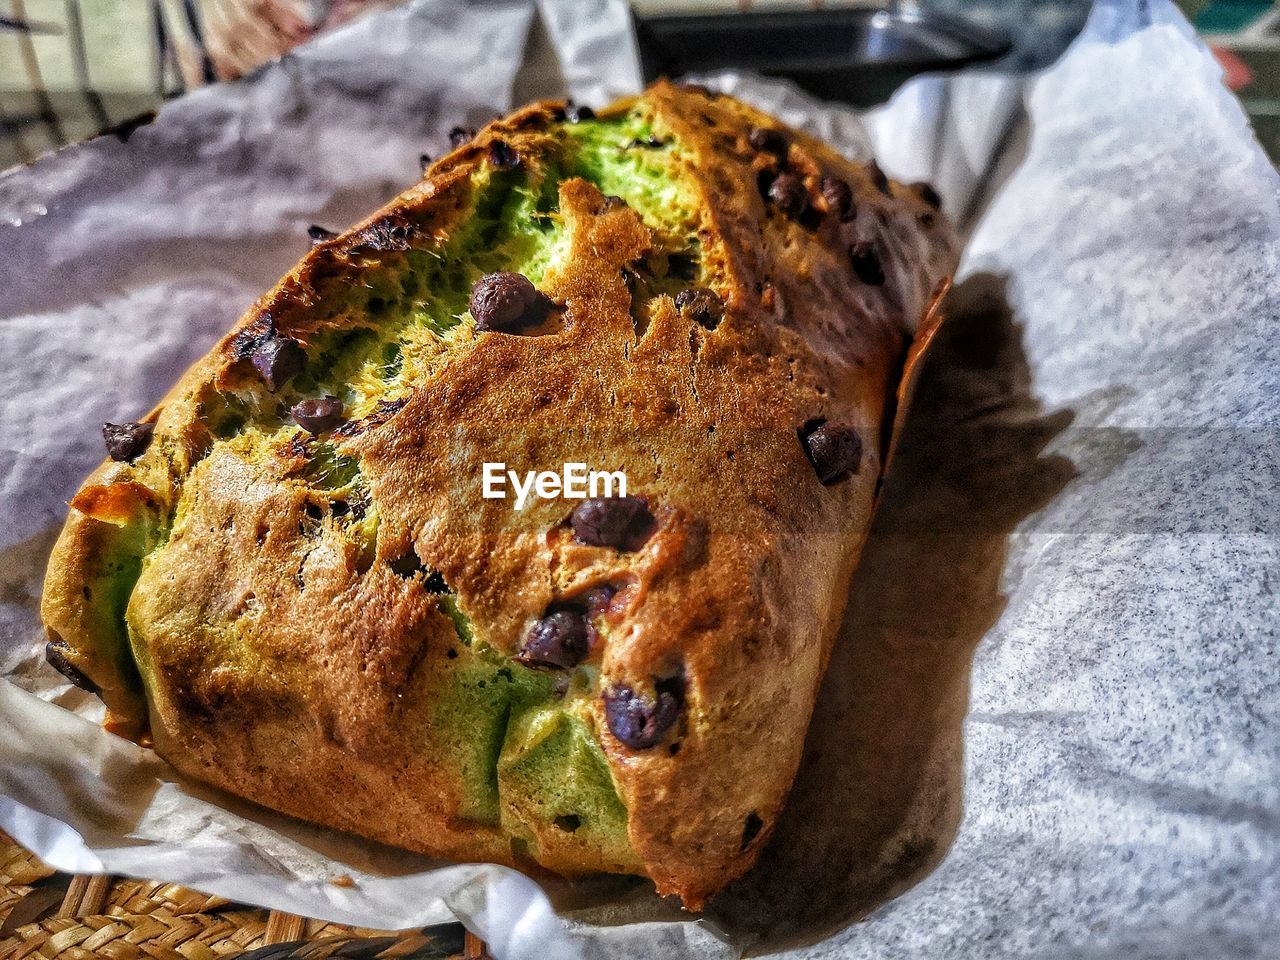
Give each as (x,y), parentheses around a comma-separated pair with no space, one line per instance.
(290,575)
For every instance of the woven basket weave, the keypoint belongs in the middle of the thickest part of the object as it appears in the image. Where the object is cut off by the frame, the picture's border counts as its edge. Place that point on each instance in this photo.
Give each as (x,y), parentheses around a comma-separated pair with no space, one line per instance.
(46,915)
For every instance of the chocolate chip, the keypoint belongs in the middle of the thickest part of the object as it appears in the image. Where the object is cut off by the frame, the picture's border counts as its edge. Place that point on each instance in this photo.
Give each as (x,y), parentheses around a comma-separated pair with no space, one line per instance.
(839,198)
(878,179)
(127,441)
(621,522)
(648,143)
(506,301)
(834,449)
(928,194)
(769,140)
(568,822)
(596,601)
(576,113)
(251,337)
(278,360)
(502,155)
(319,234)
(388,233)
(55,652)
(750,829)
(788,194)
(866,263)
(640,721)
(298,447)
(318,414)
(560,640)
(382,412)
(702,306)
(764,180)
(460,135)
(424,161)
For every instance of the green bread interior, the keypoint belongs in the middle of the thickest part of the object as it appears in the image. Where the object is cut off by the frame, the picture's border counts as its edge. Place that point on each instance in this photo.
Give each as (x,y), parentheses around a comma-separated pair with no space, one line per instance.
(109,579)
(524,753)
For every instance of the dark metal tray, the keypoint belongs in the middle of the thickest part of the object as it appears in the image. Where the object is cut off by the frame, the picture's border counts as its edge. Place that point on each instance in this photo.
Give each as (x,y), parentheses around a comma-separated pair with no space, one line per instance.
(856,56)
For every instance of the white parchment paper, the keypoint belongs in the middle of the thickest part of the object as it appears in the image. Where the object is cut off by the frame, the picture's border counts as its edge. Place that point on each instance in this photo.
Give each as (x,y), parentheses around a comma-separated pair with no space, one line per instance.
(1052,722)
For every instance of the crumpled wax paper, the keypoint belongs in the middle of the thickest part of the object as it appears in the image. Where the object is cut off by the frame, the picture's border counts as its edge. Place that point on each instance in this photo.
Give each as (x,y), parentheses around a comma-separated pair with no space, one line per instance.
(1051,725)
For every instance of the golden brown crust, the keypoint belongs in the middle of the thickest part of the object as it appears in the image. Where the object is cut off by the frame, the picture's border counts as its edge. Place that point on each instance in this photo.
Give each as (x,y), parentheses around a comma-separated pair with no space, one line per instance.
(738,592)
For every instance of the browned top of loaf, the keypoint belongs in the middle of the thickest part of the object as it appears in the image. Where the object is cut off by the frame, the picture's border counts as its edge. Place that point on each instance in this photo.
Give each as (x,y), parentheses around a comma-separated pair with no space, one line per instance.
(739,591)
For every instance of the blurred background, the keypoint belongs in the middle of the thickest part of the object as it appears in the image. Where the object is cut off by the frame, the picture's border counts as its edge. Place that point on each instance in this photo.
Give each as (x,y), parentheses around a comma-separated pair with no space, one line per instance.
(72,68)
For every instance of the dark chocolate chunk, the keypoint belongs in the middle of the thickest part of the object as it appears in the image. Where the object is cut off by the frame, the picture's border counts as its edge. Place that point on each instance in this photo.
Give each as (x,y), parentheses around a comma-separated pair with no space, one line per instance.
(319,234)
(278,360)
(318,414)
(127,441)
(750,829)
(640,721)
(878,178)
(460,135)
(506,301)
(568,822)
(621,522)
(382,412)
(788,194)
(424,161)
(839,198)
(251,337)
(866,263)
(560,640)
(576,113)
(502,155)
(703,306)
(928,194)
(764,180)
(834,449)
(388,233)
(596,600)
(55,652)
(768,140)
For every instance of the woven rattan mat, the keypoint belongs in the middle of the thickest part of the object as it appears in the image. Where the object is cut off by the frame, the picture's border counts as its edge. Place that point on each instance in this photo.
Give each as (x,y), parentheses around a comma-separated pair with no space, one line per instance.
(45,914)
